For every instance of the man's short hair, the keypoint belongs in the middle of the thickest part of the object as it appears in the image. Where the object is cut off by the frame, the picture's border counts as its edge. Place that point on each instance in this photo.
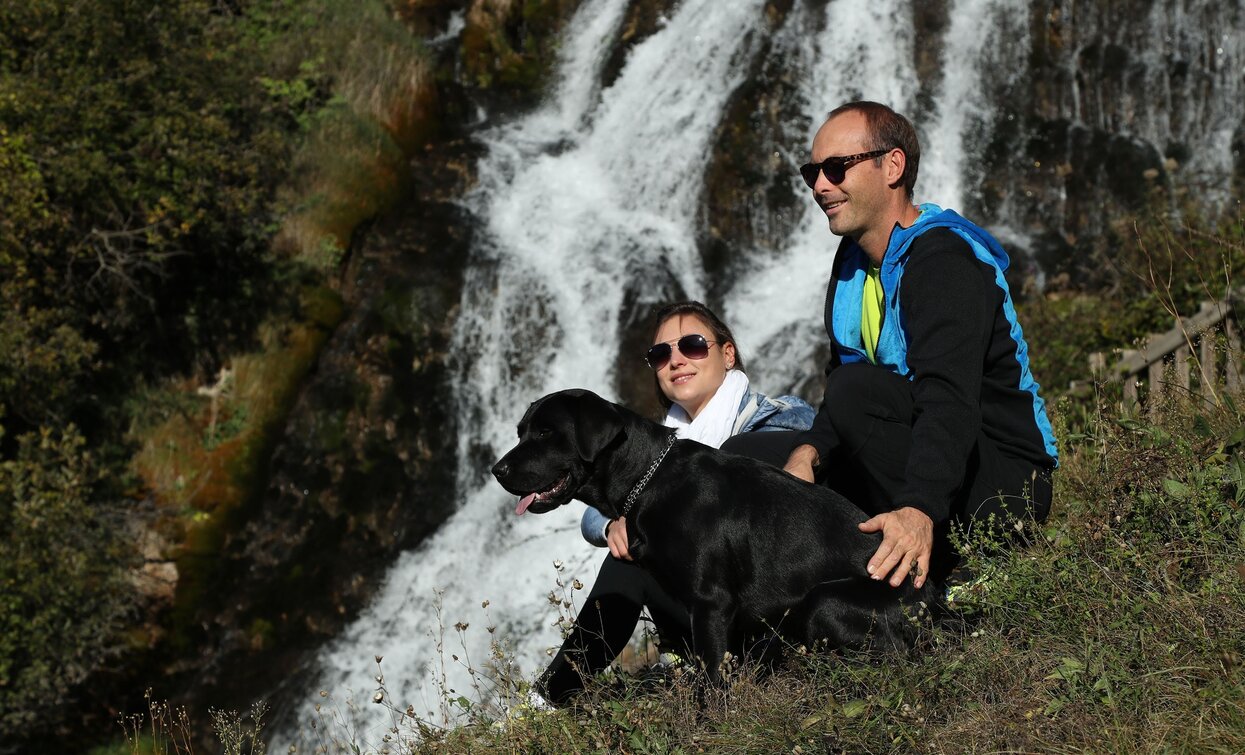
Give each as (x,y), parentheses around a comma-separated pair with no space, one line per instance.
(888,130)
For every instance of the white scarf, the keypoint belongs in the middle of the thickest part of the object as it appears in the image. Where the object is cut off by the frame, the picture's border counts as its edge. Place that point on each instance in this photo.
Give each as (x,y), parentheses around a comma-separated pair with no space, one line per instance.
(716,422)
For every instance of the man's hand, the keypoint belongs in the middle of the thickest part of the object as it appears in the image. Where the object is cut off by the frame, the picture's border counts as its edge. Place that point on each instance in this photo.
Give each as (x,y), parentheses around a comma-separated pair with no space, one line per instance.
(801,462)
(907,541)
(616,538)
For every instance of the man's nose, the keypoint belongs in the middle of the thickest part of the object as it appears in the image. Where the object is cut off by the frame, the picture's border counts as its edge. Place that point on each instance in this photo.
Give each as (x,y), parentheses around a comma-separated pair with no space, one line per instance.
(822,184)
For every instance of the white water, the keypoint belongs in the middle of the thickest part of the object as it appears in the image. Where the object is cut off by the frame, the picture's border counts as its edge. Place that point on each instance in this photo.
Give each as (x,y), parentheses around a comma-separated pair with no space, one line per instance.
(593,196)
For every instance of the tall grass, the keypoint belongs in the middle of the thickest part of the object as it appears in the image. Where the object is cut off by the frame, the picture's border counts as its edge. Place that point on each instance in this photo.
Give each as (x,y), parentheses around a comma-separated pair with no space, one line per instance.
(382,106)
(1118,629)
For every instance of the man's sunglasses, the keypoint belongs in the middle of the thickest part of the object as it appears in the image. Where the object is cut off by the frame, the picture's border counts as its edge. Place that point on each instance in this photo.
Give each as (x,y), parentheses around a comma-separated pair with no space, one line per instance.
(692,346)
(835,168)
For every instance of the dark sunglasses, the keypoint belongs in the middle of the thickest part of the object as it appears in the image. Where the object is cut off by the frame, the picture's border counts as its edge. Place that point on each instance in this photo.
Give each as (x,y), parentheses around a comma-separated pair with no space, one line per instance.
(692,346)
(835,168)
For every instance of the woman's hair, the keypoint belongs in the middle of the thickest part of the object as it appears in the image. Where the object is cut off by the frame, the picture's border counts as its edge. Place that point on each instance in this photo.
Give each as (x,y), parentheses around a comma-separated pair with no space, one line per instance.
(718,332)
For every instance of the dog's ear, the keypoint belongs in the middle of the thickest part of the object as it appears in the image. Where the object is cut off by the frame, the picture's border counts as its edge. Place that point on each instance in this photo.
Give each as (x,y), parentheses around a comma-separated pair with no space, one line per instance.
(597,424)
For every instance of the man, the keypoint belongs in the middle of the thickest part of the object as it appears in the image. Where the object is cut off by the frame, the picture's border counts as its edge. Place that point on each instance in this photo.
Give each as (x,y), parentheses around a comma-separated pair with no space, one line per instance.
(930,412)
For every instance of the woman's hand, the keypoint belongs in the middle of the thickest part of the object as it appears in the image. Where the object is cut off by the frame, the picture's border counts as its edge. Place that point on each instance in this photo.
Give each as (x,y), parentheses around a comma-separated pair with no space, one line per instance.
(616,538)
(801,462)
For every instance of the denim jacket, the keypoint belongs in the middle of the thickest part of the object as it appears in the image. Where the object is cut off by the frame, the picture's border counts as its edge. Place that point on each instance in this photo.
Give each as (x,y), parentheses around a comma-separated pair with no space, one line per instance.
(757,413)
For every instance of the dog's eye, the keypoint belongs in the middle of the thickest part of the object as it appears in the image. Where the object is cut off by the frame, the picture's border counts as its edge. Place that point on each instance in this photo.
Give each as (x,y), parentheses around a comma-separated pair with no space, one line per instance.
(540,432)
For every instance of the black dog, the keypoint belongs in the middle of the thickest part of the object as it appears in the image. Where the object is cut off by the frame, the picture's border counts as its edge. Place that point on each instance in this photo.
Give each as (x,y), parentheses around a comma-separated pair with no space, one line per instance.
(745,546)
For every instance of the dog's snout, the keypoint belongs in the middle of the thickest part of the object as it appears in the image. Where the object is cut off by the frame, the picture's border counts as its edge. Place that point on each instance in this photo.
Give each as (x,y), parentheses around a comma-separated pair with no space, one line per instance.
(501,469)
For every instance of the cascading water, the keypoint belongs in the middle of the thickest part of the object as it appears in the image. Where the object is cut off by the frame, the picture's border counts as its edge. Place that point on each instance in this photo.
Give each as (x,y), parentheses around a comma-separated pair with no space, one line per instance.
(588,207)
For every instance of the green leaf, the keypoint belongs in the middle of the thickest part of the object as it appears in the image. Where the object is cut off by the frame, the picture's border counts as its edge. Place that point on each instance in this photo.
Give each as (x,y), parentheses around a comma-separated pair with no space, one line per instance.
(853,708)
(1235,439)
(1069,669)
(1176,489)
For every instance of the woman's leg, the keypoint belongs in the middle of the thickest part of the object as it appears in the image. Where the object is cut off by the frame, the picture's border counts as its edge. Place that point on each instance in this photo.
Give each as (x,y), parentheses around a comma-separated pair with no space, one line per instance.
(605,624)
(772,447)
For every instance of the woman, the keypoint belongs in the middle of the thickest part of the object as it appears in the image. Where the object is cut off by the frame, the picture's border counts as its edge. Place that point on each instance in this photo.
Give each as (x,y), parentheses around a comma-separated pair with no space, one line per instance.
(698,372)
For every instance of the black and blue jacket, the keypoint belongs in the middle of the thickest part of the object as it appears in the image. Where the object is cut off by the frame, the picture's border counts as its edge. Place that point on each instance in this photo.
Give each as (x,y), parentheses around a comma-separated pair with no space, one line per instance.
(949,326)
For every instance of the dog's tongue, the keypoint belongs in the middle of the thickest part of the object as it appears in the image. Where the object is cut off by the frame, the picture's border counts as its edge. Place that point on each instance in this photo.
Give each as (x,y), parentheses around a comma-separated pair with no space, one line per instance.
(524,502)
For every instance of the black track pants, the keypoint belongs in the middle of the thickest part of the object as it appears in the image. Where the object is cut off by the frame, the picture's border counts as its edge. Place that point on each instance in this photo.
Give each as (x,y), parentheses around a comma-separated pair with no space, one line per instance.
(872,411)
(605,624)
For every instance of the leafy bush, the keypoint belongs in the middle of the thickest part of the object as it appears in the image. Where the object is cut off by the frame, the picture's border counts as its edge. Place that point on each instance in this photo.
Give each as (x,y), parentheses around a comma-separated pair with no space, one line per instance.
(139,158)
(63,593)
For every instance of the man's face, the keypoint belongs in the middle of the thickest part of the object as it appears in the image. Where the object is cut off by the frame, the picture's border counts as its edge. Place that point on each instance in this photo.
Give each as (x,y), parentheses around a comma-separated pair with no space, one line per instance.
(854,206)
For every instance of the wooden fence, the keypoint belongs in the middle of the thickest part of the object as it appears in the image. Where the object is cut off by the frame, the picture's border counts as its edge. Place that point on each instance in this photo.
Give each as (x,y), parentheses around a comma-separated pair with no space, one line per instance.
(1200,356)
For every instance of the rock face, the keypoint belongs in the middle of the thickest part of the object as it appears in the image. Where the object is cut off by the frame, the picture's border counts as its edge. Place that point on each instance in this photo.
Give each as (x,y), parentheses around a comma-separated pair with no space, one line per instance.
(1115,100)
(365,466)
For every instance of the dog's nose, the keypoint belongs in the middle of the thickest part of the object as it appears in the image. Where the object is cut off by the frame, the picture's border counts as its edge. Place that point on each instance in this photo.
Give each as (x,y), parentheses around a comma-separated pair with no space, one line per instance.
(501,469)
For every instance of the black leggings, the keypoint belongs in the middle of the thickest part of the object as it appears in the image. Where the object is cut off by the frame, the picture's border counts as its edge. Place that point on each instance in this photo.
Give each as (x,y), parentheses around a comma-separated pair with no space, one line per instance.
(605,624)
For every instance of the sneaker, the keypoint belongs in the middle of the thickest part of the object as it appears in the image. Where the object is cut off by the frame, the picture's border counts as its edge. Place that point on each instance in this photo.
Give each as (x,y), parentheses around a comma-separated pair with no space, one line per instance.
(965,588)
(533,705)
(669,661)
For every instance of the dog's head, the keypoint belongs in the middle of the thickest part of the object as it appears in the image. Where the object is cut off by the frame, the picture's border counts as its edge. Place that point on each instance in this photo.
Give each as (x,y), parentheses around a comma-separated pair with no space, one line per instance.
(560,437)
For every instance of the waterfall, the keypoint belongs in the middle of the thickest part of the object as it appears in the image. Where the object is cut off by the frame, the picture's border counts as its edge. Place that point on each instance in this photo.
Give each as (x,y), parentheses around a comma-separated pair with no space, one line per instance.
(589,206)
(595,193)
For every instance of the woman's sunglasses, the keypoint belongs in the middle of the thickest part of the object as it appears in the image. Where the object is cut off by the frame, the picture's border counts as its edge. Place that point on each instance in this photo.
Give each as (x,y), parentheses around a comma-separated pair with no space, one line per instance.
(835,168)
(692,346)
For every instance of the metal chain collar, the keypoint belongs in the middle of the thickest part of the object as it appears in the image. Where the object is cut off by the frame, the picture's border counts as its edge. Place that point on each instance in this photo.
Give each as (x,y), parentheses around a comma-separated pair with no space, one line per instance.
(639,486)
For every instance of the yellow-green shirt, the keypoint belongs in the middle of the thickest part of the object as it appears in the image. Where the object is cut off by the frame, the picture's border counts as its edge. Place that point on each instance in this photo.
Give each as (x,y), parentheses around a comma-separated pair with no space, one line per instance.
(871,313)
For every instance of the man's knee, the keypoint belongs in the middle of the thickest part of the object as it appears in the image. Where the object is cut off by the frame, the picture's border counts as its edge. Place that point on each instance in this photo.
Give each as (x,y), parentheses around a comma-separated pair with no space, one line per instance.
(859,393)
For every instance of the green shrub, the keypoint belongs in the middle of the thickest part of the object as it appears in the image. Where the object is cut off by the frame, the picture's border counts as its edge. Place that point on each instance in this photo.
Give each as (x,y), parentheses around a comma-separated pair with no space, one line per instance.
(63,593)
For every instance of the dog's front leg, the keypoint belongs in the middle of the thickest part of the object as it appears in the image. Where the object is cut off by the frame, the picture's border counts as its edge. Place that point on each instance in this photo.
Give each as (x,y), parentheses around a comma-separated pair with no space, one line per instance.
(714,635)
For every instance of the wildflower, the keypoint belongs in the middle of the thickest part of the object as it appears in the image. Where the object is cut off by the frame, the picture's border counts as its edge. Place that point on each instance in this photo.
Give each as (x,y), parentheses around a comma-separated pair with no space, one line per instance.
(577,585)
(461,626)
(379,697)
(484,604)
(379,658)
(557,564)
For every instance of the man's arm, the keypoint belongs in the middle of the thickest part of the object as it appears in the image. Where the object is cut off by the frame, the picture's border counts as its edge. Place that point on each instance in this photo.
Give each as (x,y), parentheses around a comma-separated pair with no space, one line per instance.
(946,301)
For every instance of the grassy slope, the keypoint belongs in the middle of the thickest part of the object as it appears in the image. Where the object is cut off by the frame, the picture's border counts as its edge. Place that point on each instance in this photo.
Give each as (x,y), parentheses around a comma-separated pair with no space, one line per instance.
(1120,630)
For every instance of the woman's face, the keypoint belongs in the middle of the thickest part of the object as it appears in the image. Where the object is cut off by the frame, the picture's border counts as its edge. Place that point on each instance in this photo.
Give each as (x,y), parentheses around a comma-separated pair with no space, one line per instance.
(690,383)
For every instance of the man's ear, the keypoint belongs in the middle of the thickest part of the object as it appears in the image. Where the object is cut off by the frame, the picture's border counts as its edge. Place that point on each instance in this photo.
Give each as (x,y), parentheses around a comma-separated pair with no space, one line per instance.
(597,424)
(893,165)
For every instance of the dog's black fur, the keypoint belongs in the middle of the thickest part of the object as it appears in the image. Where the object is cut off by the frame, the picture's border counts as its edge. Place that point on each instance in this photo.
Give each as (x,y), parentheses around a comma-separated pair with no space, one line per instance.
(745,546)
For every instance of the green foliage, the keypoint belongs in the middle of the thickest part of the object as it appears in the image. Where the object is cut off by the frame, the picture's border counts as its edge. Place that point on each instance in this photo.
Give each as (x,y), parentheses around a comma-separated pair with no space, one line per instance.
(1160,269)
(62,589)
(139,156)
(141,151)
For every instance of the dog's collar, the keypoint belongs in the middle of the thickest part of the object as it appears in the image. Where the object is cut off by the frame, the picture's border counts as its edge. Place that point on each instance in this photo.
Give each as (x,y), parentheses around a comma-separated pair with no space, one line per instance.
(639,486)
